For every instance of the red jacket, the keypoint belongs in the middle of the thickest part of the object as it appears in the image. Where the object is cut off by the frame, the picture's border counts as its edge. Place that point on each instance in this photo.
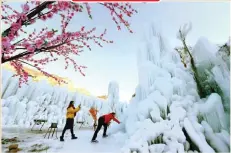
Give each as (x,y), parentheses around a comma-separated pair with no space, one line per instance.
(109,117)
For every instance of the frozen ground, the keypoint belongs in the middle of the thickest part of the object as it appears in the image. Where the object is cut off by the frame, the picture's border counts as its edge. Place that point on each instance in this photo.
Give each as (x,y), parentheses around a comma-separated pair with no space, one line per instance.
(81,145)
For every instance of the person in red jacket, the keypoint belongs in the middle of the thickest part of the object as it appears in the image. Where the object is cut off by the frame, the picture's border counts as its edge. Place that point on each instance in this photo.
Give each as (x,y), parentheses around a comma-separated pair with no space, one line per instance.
(104,121)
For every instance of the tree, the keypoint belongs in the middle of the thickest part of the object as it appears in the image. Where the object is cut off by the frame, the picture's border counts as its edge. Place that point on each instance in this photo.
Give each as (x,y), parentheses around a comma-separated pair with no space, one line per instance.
(206,84)
(53,43)
(182,36)
(183,55)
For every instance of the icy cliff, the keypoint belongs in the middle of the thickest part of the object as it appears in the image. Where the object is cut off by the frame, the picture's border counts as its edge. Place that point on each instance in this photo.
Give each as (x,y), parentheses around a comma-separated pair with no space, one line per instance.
(167,114)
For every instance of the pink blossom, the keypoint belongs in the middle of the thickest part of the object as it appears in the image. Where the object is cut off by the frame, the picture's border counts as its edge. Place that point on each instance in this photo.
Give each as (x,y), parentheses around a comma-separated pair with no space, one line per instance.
(5,42)
(59,37)
(32,21)
(16,26)
(49,6)
(37,3)
(44,17)
(25,8)
(30,48)
(66,4)
(26,44)
(55,10)
(60,5)
(24,17)
(39,43)
(12,47)
(82,29)
(63,5)
(11,36)
(50,34)
(50,15)
(77,34)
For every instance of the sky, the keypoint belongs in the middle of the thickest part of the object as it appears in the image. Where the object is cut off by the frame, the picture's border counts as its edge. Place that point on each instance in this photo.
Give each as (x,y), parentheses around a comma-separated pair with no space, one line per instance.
(118,61)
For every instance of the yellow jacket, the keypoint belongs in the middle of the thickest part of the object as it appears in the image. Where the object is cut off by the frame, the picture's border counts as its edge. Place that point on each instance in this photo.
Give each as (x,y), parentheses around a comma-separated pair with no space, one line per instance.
(71,112)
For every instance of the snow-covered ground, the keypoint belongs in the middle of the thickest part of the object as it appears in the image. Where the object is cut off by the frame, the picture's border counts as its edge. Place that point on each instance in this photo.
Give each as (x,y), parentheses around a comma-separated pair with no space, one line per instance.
(29,138)
(83,144)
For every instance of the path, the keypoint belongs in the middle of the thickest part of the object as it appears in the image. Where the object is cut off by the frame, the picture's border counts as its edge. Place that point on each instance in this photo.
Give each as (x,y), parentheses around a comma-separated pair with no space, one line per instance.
(83,144)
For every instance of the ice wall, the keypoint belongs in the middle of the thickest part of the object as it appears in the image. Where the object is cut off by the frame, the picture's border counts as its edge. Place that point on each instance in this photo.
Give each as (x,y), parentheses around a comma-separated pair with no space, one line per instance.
(113,94)
(213,67)
(167,114)
(39,100)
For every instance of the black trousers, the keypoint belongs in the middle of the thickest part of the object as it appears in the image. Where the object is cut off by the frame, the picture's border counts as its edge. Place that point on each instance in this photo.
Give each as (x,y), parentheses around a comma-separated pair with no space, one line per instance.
(69,125)
(100,124)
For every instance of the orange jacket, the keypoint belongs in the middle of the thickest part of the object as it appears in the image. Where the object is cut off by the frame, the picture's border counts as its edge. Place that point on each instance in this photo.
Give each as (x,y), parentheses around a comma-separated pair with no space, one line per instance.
(93,113)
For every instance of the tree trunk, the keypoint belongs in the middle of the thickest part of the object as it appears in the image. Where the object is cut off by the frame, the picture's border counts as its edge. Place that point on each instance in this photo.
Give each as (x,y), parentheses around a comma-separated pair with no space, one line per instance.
(201,92)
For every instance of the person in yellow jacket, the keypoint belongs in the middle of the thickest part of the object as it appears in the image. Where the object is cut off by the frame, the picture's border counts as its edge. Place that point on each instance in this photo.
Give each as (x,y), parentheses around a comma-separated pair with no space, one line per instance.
(71,113)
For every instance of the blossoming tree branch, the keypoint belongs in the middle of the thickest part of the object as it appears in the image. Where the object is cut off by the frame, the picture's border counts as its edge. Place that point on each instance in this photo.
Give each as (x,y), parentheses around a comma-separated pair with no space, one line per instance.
(54,44)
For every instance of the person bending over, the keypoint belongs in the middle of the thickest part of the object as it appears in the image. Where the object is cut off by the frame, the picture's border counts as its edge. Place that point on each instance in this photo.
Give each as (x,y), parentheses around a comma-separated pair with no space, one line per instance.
(71,113)
(104,121)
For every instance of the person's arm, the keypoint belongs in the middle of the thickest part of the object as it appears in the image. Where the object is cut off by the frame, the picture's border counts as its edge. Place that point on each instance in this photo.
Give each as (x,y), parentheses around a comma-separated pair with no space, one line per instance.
(71,110)
(77,109)
(116,120)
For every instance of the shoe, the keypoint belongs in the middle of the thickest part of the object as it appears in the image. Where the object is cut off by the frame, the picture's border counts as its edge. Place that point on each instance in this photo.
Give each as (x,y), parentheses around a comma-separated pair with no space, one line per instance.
(104,136)
(61,138)
(74,137)
(94,141)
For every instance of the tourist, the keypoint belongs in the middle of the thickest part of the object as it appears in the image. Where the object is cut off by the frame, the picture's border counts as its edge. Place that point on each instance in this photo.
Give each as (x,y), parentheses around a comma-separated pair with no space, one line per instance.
(71,113)
(93,111)
(104,121)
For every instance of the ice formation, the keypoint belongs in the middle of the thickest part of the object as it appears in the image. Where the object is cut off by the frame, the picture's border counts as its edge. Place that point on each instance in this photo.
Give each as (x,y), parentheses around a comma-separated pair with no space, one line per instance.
(167,114)
(39,100)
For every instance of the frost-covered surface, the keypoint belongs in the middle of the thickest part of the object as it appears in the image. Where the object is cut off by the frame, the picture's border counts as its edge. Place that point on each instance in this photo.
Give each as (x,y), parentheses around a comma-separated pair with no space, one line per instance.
(27,139)
(212,67)
(167,114)
(39,100)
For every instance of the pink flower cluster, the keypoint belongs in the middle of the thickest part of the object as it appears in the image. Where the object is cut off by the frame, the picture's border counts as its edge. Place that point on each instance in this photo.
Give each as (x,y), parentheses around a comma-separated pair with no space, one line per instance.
(25,8)
(55,44)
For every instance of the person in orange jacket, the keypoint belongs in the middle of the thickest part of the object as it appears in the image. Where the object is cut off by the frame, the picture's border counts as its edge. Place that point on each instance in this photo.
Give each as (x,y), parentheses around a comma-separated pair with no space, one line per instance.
(93,113)
(71,113)
(104,121)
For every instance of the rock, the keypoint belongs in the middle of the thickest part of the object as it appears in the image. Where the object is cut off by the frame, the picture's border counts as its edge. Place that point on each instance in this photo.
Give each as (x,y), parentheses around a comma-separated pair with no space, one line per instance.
(14,150)
(13,147)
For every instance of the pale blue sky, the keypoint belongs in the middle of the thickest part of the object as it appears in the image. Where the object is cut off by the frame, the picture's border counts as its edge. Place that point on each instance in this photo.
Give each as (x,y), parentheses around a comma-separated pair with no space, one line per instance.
(118,61)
